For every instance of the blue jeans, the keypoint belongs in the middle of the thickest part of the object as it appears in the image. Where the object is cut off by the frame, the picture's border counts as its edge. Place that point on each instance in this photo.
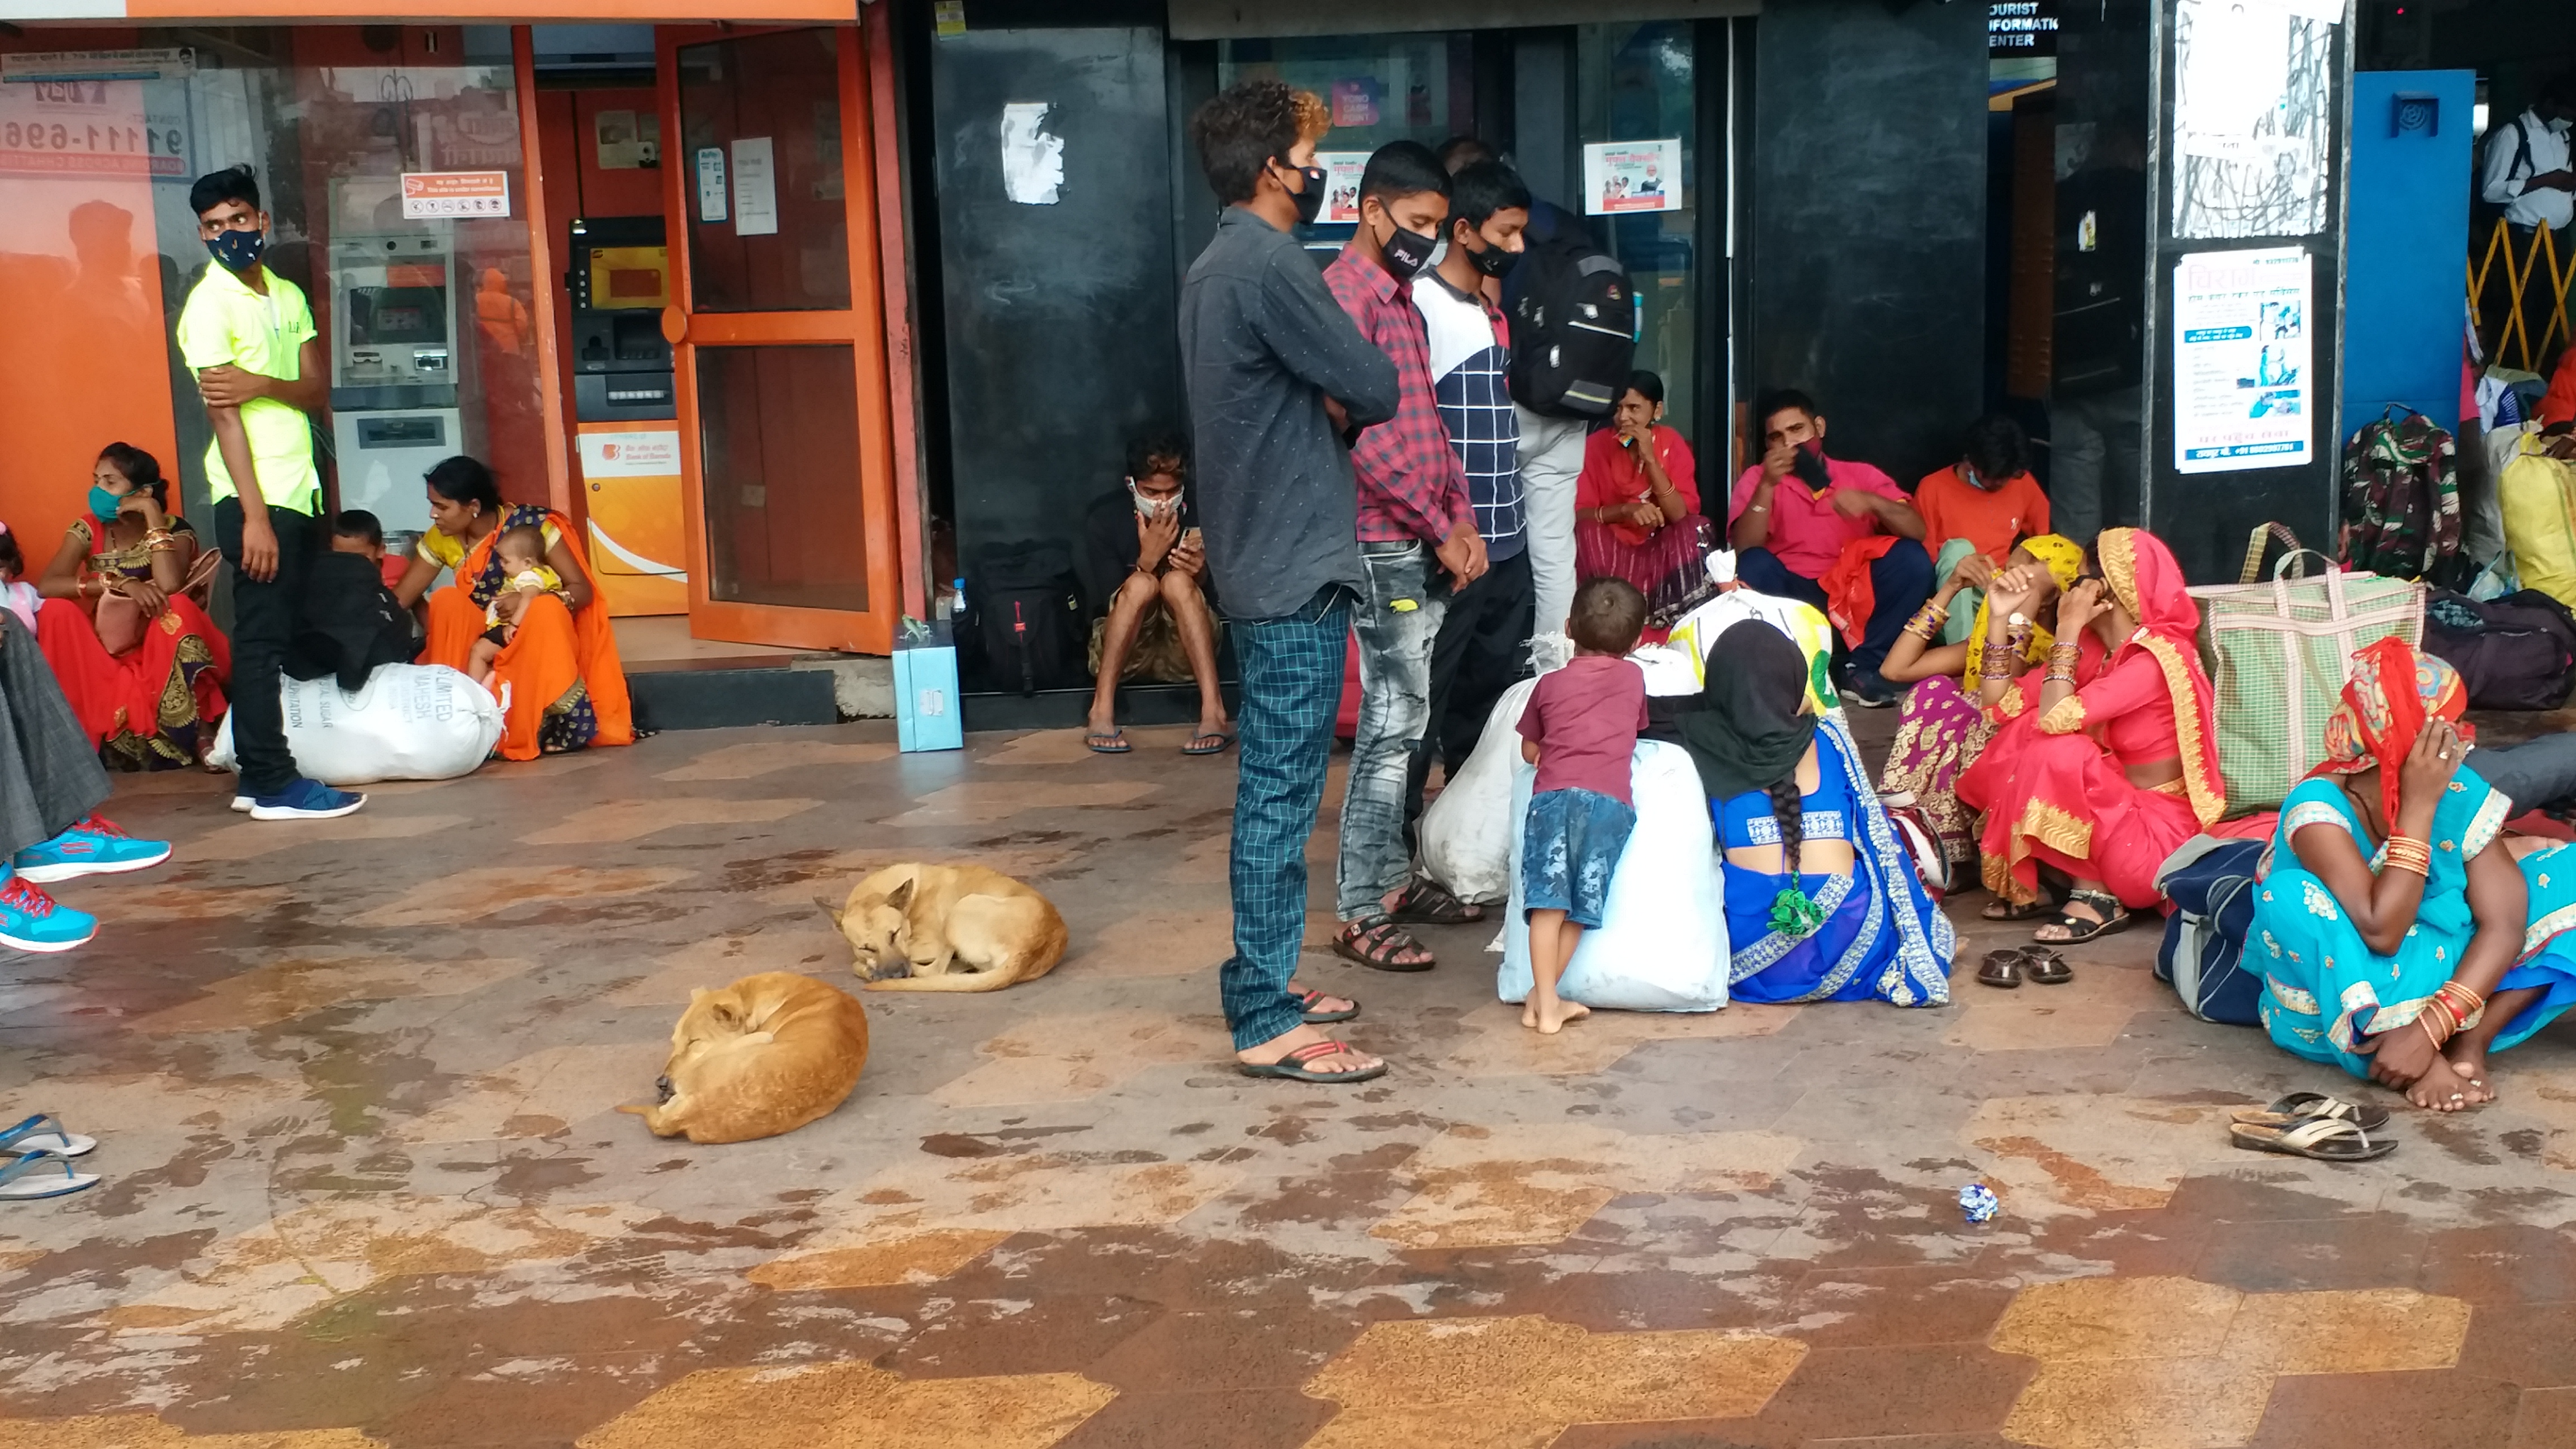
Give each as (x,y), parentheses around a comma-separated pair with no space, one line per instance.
(1901,578)
(1291,672)
(1397,625)
(1570,847)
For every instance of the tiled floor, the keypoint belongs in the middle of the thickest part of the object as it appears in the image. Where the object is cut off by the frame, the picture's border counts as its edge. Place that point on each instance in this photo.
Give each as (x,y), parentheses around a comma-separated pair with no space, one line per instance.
(366,1186)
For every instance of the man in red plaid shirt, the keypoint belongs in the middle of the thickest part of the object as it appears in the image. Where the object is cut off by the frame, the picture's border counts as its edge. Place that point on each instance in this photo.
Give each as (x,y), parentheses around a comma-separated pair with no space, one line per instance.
(1414,512)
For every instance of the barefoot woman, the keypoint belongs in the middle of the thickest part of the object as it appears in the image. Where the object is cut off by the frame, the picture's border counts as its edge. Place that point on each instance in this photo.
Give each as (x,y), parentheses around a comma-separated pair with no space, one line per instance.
(2398,937)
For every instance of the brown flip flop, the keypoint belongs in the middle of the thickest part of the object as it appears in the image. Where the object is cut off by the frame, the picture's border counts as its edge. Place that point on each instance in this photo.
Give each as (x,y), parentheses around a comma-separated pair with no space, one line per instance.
(2002,969)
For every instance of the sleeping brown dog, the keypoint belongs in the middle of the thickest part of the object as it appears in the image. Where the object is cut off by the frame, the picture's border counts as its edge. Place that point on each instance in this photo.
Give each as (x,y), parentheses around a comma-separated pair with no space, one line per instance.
(766,1055)
(916,927)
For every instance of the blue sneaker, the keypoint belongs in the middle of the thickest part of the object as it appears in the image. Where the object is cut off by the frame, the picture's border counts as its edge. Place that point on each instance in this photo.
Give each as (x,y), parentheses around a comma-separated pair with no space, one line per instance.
(31,920)
(306,800)
(93,847)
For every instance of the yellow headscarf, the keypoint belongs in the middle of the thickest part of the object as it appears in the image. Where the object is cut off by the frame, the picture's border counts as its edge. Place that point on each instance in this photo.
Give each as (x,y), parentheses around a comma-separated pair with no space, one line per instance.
(2064,559)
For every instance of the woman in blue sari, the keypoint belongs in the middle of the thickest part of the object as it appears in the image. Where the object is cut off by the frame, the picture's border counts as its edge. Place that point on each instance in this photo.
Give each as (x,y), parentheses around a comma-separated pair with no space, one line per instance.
(1822,902)
(2399,938)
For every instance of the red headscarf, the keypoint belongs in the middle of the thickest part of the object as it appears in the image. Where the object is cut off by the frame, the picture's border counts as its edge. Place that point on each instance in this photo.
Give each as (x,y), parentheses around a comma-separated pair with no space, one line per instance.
(2146,581)
(2393,693)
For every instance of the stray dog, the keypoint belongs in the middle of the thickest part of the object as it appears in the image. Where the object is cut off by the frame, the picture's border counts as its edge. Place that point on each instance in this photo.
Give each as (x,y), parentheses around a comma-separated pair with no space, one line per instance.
(918,927)
(766,1055)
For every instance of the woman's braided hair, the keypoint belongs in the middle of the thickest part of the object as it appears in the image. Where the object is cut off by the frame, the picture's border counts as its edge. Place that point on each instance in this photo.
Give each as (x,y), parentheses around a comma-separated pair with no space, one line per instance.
(1788,811)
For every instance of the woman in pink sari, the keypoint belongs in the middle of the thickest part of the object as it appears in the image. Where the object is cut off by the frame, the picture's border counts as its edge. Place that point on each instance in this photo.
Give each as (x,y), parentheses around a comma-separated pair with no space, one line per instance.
(2104,760)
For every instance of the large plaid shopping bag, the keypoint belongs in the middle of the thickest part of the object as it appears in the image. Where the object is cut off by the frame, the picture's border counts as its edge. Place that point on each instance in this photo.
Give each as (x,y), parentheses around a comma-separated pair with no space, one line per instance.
(2278,654)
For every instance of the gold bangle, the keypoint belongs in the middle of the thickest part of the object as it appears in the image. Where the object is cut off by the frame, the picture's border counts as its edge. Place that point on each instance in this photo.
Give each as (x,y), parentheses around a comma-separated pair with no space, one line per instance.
(2436,1038)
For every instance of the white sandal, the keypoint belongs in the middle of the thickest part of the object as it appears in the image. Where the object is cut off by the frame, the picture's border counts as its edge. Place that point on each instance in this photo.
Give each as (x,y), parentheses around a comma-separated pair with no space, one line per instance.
(33,1176)
(45,1133)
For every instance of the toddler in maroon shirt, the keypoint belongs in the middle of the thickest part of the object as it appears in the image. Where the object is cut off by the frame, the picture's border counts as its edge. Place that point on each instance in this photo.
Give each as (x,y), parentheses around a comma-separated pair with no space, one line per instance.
(1580,729)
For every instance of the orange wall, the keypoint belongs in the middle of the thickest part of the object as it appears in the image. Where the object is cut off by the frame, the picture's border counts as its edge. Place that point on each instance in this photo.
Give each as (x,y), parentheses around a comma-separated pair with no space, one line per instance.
(83,334)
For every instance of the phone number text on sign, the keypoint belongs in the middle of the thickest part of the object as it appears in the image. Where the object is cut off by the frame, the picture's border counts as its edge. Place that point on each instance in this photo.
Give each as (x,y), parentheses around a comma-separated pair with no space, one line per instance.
(84,128)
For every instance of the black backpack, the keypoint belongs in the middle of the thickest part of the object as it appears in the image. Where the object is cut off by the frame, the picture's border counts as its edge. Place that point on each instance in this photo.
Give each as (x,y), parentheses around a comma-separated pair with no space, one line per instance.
(2517,652)
(1574,328)
(1025,616)
(2484,214)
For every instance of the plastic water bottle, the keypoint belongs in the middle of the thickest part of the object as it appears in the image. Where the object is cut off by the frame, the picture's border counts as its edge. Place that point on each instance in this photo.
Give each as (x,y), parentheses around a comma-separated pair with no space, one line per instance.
(958,592)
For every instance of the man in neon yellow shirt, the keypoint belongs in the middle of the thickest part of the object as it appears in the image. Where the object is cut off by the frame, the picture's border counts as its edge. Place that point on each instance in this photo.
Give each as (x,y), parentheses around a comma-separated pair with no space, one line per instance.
(248,335)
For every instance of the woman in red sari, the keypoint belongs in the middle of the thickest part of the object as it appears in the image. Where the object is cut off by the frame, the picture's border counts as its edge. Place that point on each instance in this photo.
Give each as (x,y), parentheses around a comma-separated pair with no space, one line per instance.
(2105,760)
(1636,506)
(153,704)
(559,681)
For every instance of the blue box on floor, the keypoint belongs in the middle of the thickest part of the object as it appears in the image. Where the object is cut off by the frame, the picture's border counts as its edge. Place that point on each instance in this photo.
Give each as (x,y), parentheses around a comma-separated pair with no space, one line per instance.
(926,715)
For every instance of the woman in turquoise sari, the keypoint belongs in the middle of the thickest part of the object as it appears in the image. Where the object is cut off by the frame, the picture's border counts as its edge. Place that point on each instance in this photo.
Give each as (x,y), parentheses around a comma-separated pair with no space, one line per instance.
(2399,938)
(1822,902)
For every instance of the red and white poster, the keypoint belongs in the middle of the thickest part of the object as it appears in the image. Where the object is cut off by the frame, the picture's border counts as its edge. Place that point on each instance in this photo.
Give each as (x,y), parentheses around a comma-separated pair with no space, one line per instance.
(1625,176)
(429,195)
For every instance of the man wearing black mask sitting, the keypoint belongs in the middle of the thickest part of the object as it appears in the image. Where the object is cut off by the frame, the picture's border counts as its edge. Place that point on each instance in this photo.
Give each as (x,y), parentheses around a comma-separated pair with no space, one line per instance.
(1829,532)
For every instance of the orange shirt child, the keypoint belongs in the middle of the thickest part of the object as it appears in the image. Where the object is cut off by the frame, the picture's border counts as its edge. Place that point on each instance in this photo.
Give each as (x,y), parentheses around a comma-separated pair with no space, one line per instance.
(1952,507)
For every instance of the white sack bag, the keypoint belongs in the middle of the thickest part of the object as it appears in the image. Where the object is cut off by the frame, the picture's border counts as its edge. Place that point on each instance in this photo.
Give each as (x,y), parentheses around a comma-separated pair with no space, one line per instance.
(1467,831)
(1662,942)
(407,722)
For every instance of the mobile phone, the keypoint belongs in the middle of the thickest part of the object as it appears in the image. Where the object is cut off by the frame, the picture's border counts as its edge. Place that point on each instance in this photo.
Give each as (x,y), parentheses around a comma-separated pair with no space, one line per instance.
(1190,536)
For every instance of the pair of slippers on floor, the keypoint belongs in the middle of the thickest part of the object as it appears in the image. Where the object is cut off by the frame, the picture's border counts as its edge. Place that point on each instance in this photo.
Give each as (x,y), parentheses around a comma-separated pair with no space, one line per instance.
(2011,966)
(36,1160)
(2314,1126)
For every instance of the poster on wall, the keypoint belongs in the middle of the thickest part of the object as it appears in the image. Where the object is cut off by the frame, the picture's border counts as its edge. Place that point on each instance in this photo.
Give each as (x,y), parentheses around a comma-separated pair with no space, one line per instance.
(627,140)
(2241,386)
(2253,116)
(1341,184)
(428,195)
(755,187)
(711,184)
(1625,176)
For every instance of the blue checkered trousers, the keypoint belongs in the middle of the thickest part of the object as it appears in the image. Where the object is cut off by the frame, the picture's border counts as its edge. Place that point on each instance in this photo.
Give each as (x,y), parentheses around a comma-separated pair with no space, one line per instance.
(1291,670)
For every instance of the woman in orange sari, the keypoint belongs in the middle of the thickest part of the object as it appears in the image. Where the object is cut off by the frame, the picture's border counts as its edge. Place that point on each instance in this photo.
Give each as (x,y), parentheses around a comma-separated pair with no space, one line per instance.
(2105,760)
(558,679)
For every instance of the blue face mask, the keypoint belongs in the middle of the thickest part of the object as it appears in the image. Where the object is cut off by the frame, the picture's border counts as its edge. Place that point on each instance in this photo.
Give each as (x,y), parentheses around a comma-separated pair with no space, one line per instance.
(238,251)
(102,504)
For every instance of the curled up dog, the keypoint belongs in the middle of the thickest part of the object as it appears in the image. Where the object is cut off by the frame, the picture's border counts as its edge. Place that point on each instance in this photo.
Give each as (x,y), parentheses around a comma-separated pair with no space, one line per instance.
(916,927)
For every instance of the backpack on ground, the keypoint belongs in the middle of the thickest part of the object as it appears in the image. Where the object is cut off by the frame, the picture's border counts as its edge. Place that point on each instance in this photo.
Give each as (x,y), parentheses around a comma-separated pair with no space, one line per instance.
(1574,329)
(2211,882)
(2516,652)
(2401,501)
(1025,629)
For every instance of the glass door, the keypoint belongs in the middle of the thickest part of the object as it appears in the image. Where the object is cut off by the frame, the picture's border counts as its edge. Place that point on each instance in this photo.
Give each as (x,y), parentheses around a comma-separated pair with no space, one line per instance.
(778,332)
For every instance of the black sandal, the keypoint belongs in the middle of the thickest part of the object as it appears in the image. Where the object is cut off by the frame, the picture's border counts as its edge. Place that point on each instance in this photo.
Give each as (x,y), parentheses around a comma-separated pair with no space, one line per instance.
(1316,1016)
(2115,918)
(2045,967)
(2002,969)
(1427,904)
(1376,942)
(1294,1066)
(2015,911)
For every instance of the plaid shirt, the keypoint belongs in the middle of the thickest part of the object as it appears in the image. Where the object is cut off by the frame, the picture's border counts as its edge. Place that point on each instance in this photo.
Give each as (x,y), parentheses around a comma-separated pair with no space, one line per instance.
(1411,484)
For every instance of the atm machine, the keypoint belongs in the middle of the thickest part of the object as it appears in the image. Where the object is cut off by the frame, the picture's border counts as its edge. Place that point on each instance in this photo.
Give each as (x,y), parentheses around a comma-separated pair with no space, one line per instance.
(393,356)
(625,413)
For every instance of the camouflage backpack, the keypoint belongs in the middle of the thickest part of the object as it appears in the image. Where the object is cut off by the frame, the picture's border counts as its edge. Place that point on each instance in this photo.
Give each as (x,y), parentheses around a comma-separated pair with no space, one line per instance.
(2401,500)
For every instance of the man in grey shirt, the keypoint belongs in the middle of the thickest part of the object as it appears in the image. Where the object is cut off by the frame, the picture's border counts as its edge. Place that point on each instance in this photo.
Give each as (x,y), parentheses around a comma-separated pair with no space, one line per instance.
(1277,373)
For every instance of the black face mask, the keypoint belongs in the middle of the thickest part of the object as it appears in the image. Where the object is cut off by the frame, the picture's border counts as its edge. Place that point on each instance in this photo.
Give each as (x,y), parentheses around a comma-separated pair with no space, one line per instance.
(1493,261)
(1408,252)
(1310,202)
